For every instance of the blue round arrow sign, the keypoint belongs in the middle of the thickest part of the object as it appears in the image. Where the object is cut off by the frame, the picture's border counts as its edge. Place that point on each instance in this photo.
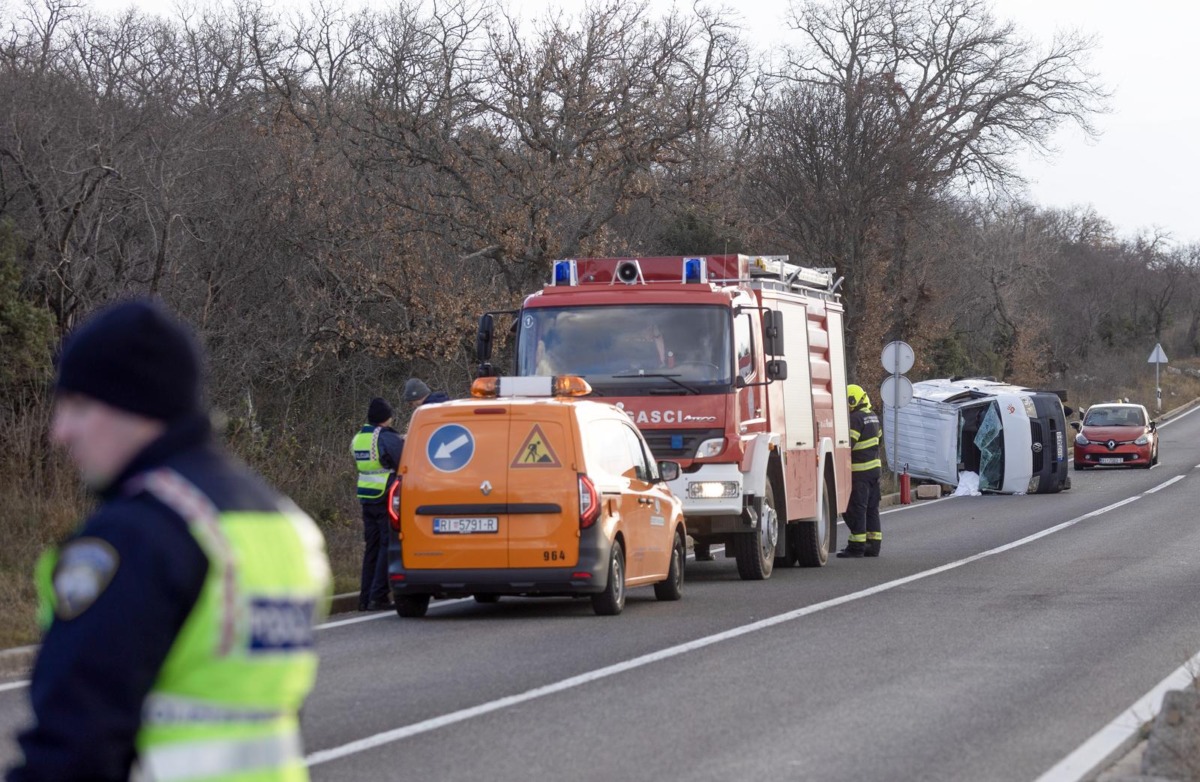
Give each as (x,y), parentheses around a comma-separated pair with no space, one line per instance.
(450,447)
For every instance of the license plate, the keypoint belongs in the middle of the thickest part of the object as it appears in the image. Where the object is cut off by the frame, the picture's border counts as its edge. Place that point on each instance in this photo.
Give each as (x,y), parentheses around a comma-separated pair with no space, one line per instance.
(1110,460)
(466,526)
(1061,451)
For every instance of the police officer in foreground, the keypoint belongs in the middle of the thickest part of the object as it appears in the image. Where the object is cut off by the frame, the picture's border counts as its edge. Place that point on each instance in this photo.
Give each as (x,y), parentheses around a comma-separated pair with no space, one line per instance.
(179,618)
(862,513)
(376,448)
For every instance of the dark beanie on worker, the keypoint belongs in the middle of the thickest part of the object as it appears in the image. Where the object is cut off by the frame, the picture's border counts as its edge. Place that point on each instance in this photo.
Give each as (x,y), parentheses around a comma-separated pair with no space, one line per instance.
(136,357)
(415,389)
(378,411)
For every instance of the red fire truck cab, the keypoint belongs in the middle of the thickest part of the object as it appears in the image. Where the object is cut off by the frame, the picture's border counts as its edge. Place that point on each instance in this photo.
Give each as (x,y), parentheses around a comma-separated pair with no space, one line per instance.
(731,365)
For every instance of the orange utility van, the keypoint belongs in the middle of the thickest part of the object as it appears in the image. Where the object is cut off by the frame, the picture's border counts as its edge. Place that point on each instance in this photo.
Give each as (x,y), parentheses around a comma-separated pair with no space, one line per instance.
(525,489)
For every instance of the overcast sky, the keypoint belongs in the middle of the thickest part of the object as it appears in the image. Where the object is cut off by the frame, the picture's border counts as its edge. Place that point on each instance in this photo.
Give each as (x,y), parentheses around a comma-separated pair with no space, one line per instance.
(1142,172)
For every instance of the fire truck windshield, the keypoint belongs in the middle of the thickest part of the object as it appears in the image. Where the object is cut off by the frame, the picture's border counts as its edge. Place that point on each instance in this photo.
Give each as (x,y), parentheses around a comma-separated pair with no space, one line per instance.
(630,350)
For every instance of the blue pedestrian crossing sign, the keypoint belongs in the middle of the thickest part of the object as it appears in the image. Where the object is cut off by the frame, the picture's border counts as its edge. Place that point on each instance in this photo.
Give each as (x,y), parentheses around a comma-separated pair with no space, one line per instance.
(450,447)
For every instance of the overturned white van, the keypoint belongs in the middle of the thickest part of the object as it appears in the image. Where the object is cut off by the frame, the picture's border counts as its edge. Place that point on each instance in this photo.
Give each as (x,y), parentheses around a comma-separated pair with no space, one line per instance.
(1013,437)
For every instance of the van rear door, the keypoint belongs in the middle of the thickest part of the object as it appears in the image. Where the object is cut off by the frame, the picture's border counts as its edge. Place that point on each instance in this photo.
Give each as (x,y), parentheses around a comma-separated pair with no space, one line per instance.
(543,486)
(454,495)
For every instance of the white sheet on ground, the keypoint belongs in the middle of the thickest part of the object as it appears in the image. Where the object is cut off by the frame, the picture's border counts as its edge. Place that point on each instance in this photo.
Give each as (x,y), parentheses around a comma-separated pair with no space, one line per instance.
(968,485)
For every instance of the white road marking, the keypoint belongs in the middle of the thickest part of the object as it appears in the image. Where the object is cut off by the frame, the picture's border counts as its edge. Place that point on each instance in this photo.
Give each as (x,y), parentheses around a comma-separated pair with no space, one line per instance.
(383,615)
(425,726)
(1165,484)
(14,685)
(1114,736)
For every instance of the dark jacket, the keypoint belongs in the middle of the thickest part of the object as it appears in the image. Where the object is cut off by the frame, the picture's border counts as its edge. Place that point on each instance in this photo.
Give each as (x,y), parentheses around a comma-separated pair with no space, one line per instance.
(94,671)
(434,398)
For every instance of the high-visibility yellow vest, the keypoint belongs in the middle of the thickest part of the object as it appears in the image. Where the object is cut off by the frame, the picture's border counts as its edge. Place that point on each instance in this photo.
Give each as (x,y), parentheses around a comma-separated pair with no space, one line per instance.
(372,476)
(225,704)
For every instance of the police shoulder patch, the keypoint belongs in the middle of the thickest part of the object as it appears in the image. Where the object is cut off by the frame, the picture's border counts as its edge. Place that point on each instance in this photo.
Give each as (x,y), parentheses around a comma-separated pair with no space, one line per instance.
(85,568)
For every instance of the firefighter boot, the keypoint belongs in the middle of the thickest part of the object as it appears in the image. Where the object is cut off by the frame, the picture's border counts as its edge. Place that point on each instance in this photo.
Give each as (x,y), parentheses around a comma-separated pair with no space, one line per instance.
(874,543)
(854,550)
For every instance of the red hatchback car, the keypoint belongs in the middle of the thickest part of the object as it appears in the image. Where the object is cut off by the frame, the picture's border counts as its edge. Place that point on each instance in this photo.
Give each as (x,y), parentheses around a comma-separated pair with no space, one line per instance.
(1116,434)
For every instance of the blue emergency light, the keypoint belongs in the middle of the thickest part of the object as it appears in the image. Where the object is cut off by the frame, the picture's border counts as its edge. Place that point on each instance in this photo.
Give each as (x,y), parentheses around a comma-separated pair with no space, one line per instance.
(566,273)
(694,270)
(676,442)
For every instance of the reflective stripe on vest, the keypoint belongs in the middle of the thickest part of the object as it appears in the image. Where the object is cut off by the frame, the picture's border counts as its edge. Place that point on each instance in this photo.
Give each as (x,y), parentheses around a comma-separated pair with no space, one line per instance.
(216,759)
(226,699)
(372,477)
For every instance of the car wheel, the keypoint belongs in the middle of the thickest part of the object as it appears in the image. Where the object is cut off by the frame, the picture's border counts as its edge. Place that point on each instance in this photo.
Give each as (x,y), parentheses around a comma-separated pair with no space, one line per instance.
(487,599)
(612,599)
(818,538)
(1154,458)
(672,588)
(755,550)
(412,606)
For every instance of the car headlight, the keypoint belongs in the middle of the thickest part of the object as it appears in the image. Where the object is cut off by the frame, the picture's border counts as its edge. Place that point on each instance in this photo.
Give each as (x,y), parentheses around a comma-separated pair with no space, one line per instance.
(1081,440)
(710,448)
(1034,482)
(1030,409)
(1143,440)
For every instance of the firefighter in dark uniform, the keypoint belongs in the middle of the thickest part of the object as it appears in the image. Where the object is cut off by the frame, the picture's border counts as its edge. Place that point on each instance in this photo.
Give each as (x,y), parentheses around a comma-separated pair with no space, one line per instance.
(179,617)
(376,449)
(862,514)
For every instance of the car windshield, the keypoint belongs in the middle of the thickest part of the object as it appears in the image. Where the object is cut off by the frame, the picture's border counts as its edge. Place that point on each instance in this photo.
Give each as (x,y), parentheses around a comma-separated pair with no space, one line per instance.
(1114,416)
(630,350)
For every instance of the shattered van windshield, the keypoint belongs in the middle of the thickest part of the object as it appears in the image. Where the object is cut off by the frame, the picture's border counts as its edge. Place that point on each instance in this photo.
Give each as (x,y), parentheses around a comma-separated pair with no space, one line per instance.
(641,349)
(990,442)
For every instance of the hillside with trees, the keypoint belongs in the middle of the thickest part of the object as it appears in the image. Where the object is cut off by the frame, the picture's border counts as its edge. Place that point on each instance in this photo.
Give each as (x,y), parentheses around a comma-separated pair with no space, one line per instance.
(333,197)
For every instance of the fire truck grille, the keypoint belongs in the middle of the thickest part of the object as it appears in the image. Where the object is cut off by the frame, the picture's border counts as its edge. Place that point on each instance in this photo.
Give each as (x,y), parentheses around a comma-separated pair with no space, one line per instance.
(678,443)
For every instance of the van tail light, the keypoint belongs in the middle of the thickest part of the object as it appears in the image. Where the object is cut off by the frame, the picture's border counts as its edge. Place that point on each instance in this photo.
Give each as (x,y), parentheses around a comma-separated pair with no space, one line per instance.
(393,503)
(589,502)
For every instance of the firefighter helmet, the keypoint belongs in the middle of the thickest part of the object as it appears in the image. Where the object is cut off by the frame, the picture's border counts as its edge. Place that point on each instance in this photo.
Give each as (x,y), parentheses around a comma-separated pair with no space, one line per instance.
(857,397)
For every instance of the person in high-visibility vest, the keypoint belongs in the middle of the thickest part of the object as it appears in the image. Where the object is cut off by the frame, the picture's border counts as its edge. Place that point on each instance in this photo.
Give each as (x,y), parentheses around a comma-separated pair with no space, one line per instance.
(179,619)
(376,449)
(862,512)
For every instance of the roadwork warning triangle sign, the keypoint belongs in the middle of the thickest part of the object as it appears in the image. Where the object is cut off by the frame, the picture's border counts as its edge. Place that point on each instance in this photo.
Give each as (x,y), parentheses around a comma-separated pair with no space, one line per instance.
(536,451)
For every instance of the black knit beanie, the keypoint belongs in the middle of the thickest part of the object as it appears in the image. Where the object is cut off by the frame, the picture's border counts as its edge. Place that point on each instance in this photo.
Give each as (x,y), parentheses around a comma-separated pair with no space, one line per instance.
(378,411)
(134,356)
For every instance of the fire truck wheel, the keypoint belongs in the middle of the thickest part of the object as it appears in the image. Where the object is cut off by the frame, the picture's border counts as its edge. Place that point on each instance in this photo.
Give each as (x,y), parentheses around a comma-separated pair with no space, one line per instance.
(612,599)
(672,588)
(816,538)
(412,606)
(755,551)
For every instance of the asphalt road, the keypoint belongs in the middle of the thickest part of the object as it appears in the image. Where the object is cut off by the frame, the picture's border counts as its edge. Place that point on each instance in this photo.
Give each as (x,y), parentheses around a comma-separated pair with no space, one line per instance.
(994,636)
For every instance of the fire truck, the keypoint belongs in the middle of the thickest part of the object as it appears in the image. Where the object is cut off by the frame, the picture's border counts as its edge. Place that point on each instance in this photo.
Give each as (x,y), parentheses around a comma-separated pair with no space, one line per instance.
(731,365)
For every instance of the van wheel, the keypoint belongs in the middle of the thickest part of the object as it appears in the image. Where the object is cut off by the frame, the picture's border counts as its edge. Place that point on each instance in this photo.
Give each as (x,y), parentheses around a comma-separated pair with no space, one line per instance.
(672,588)
(412,606)
(487,598)
(755,551)
(816,538)
(612,599)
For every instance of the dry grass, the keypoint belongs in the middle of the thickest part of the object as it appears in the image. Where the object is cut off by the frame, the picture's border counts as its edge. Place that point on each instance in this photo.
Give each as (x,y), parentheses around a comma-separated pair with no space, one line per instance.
(41,502)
